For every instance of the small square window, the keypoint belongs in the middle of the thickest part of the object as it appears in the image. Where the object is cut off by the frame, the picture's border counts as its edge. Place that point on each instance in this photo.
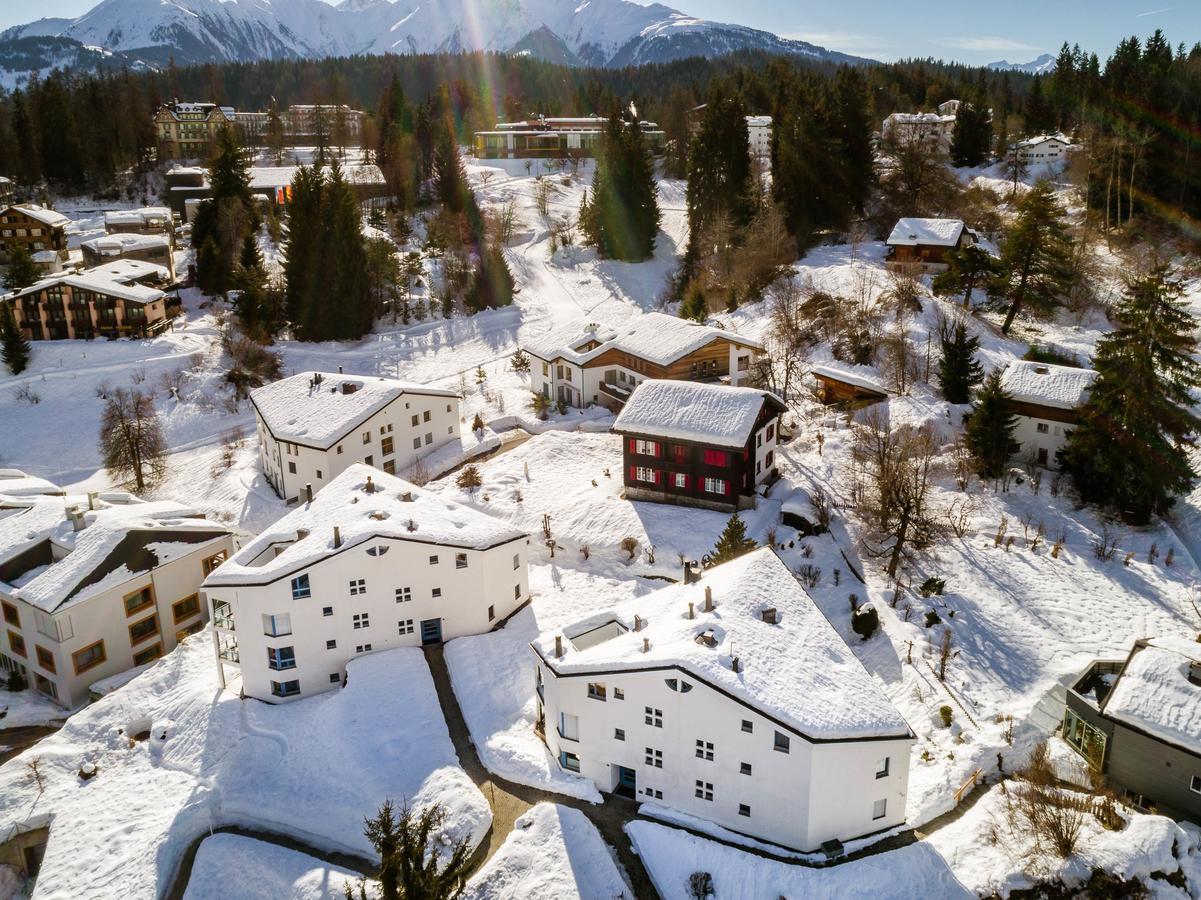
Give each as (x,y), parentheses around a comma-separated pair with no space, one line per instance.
(783,743)
(596,691)
(1195,784)
(370,461)
(879,809)
(744,809)
(460,560)
(516,592)
(1043,428)
(405,626)
(569,761)
(335,678)
(748,726)
(491,613)
(436,592)
(704,790)
(429,437)
(415,420)
(433,560)
(618,694)
(404,595)
(366,437)
(425,416)
(318,473)
(416,443)
(291,470)
(331,645)
(882,767)
(653,717)
(744,768)
(516,560)
(619,734)
(704,750)
(358,586)
(339,453)
(363,648)
(361,620)
(654,758)
(327,610)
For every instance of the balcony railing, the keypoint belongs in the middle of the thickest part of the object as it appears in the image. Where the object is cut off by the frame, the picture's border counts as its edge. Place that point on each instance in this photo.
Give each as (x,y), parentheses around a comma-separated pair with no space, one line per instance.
(229,653)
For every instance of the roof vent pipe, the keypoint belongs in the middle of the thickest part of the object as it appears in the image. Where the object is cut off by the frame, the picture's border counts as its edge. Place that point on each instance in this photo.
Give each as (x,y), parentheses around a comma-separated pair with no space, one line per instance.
(370,485)
(339,370)
(736,664)
(691,611)
(708,599)
(91,500)
(646,645)
(337,537)
(637,623)
(308,493)
(559,646)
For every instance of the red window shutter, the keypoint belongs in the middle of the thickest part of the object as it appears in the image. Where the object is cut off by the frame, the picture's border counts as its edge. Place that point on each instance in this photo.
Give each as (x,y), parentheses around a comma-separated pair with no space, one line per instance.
(729,486)
(633,476)
(687,482)
(654,447)
(656,476)
(633,444)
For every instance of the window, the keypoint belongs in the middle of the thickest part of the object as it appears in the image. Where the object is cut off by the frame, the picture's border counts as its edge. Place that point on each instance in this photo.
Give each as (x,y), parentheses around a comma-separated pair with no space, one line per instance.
(460,560)
(327,610)
(717,458)
(433,560)
(331,644)
(185,608)
(425,416)
(404,595)
(285,688)
(1043,428)
(363,648)
(704,750)
(569,761)
(673,684)
(291,468)
(143,629)
(771,431)
(386,446)
(715,485)
(654,717)
(361,620)
(416,443)
(516,592)
(335,678)
(491,613)
(1087,740)
(277,626)
(436,593)
(654,758)
(207,565)
(16,643)
(89,657)
(300,587)
(139,600)
(748,726)
(569,726)
(12,617)
(744,768)
(619,734)
(45,658)
(1194,784)
(516,561)
(642,473)
(882,768)
(280,658)
(368,460)
(651,792)
(679,480)
(405,626)
(618,694)
(150,653)
(645,448)
(339,449)
(380,550)
(390,466)
(879,809)
(415,420)
(318,473)
(744,809)
(366,437)
(704,790)
(358,586)
(770,458)
(596,690)
(783,743)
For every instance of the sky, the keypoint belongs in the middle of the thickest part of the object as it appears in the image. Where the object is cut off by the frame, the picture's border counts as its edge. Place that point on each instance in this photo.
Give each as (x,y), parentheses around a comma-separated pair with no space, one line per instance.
(971,32)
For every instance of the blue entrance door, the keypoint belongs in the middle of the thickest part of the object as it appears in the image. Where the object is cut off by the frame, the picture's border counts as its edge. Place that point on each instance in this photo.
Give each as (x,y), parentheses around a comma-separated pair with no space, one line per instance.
(431,631)
(627,782)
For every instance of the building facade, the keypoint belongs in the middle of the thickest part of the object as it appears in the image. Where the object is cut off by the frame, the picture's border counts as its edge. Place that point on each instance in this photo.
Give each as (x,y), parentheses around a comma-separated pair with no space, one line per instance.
(550,137)
(189,130)
(155,249)
(655,701)
(88,593)
(923,244)
(1046,398)
(370,564)
(38,229)
(584,364)
(758,133)
(1043,148)
(314,425)
(702,445)
(928,128)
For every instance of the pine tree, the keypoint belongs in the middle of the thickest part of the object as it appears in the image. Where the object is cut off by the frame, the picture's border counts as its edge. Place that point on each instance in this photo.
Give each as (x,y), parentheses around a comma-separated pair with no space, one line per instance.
(1036,255)
(1130,447)
(14,347)
(958,370)
(250,278)
(492,283)
(719,167)
(990,428)
(412,860)
(693,306)
(967,267)
(346,287)
(22,270)
(621,218)
(520,363)
(971,137)
(733,541)
(274,136)
(226,217)
(302,256)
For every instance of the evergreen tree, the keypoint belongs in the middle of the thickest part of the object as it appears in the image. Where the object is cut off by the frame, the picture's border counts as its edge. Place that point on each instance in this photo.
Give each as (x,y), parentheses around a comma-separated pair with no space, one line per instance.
(733,541)
(302,257)
(971,137)
(520,363)
(958,370)
(693,307)
(345,286)
(250,278)
(14,347)
(1035,256)
(1130,447)
(22,270)
(719,167)
(622,215)
(274,135)
(967,267)
(990,428)
(225,218)
(412,860)
(1039,116)
(492,283)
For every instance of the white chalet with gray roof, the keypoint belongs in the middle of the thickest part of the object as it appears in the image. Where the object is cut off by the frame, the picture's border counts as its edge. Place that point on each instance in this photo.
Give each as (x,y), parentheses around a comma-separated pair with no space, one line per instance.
(314,425)
(1043,148)
(91,587)
(733,700)
(369,564)
(1047,397)
(585,363)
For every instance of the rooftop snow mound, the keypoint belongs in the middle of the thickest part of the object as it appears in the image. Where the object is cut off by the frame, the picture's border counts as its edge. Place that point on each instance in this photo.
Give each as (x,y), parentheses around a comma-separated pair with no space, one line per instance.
(126,242)
(926,233)
(318,409)
(1155,693)
(15,483)
(686,410)
(795,669)
(41,214)
(353,503)
(1060,386)
(656,337)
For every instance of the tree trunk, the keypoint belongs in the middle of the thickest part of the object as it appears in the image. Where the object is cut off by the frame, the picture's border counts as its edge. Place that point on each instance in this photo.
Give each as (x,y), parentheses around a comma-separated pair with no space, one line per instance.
(899,547)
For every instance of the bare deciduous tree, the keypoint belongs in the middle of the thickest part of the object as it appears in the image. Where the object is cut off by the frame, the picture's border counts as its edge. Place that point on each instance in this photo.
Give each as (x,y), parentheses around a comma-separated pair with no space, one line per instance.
(131,438)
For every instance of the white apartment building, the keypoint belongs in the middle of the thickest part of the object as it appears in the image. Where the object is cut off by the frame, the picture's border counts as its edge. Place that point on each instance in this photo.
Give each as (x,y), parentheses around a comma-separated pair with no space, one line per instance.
(731,699)
(369,564)
(1047,398)
(934,128)
(585,363)
(758,132)
(314,425)
(1043,148)
(91,587)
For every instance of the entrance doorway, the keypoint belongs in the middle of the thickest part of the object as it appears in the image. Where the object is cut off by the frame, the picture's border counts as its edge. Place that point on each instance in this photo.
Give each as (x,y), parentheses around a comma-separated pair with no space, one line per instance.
(431,631)
(627,783)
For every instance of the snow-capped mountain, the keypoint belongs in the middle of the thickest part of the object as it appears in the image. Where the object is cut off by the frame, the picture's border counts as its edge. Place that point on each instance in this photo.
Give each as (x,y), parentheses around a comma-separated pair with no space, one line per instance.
(591,32)
(1040,66)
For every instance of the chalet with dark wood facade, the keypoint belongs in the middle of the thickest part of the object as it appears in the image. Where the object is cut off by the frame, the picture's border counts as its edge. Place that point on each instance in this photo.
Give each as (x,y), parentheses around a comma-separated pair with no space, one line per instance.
(839,387)
(39,229)
(589,364)
(924,243)
(706,445)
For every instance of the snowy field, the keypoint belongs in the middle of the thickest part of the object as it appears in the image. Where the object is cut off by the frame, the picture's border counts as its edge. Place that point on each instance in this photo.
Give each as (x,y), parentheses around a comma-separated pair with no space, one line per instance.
(232,867)
(311,769)
(27,708)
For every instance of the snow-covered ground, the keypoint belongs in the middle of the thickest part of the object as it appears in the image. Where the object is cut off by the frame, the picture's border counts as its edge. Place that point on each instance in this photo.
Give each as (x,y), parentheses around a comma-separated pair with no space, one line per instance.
(25,708)
(232,867)
(312,769)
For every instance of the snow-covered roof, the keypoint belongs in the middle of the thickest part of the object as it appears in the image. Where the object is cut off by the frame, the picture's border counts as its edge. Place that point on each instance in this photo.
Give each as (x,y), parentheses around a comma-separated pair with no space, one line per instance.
(364,504)
(118,540)
(655,337)
(1044,138)
(118,278)
(126,242)
(318,409)
(921,118)
(144,216)
(913,232)
(1062,387)
(847,376)
(1154,692)
(15,483)
(40,214)
(796,669)
(268,178)
(758,121)
(715,414)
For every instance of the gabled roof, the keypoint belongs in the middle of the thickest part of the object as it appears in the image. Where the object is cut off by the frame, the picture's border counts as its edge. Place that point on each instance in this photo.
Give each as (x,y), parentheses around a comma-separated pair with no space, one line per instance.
(1044,138)
(125,242)
(137,216)
(1062,387)
(114,279)
(365,505)
(318,409)
(1155,694)
(40,214)
(796,669)
(846,376)
(913,232)
(714,414)
(655,337)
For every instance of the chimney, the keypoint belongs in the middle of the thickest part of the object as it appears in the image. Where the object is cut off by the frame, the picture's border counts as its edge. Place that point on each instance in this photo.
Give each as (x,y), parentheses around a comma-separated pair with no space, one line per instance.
(370,485)
(406,497)
(308,493)
(691,611)
(736,664)
(769,616)
(75,517)
(558,646)
(637,623)
(646,645)
(339,370)
(337,537)
(708,599)
(91,500)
